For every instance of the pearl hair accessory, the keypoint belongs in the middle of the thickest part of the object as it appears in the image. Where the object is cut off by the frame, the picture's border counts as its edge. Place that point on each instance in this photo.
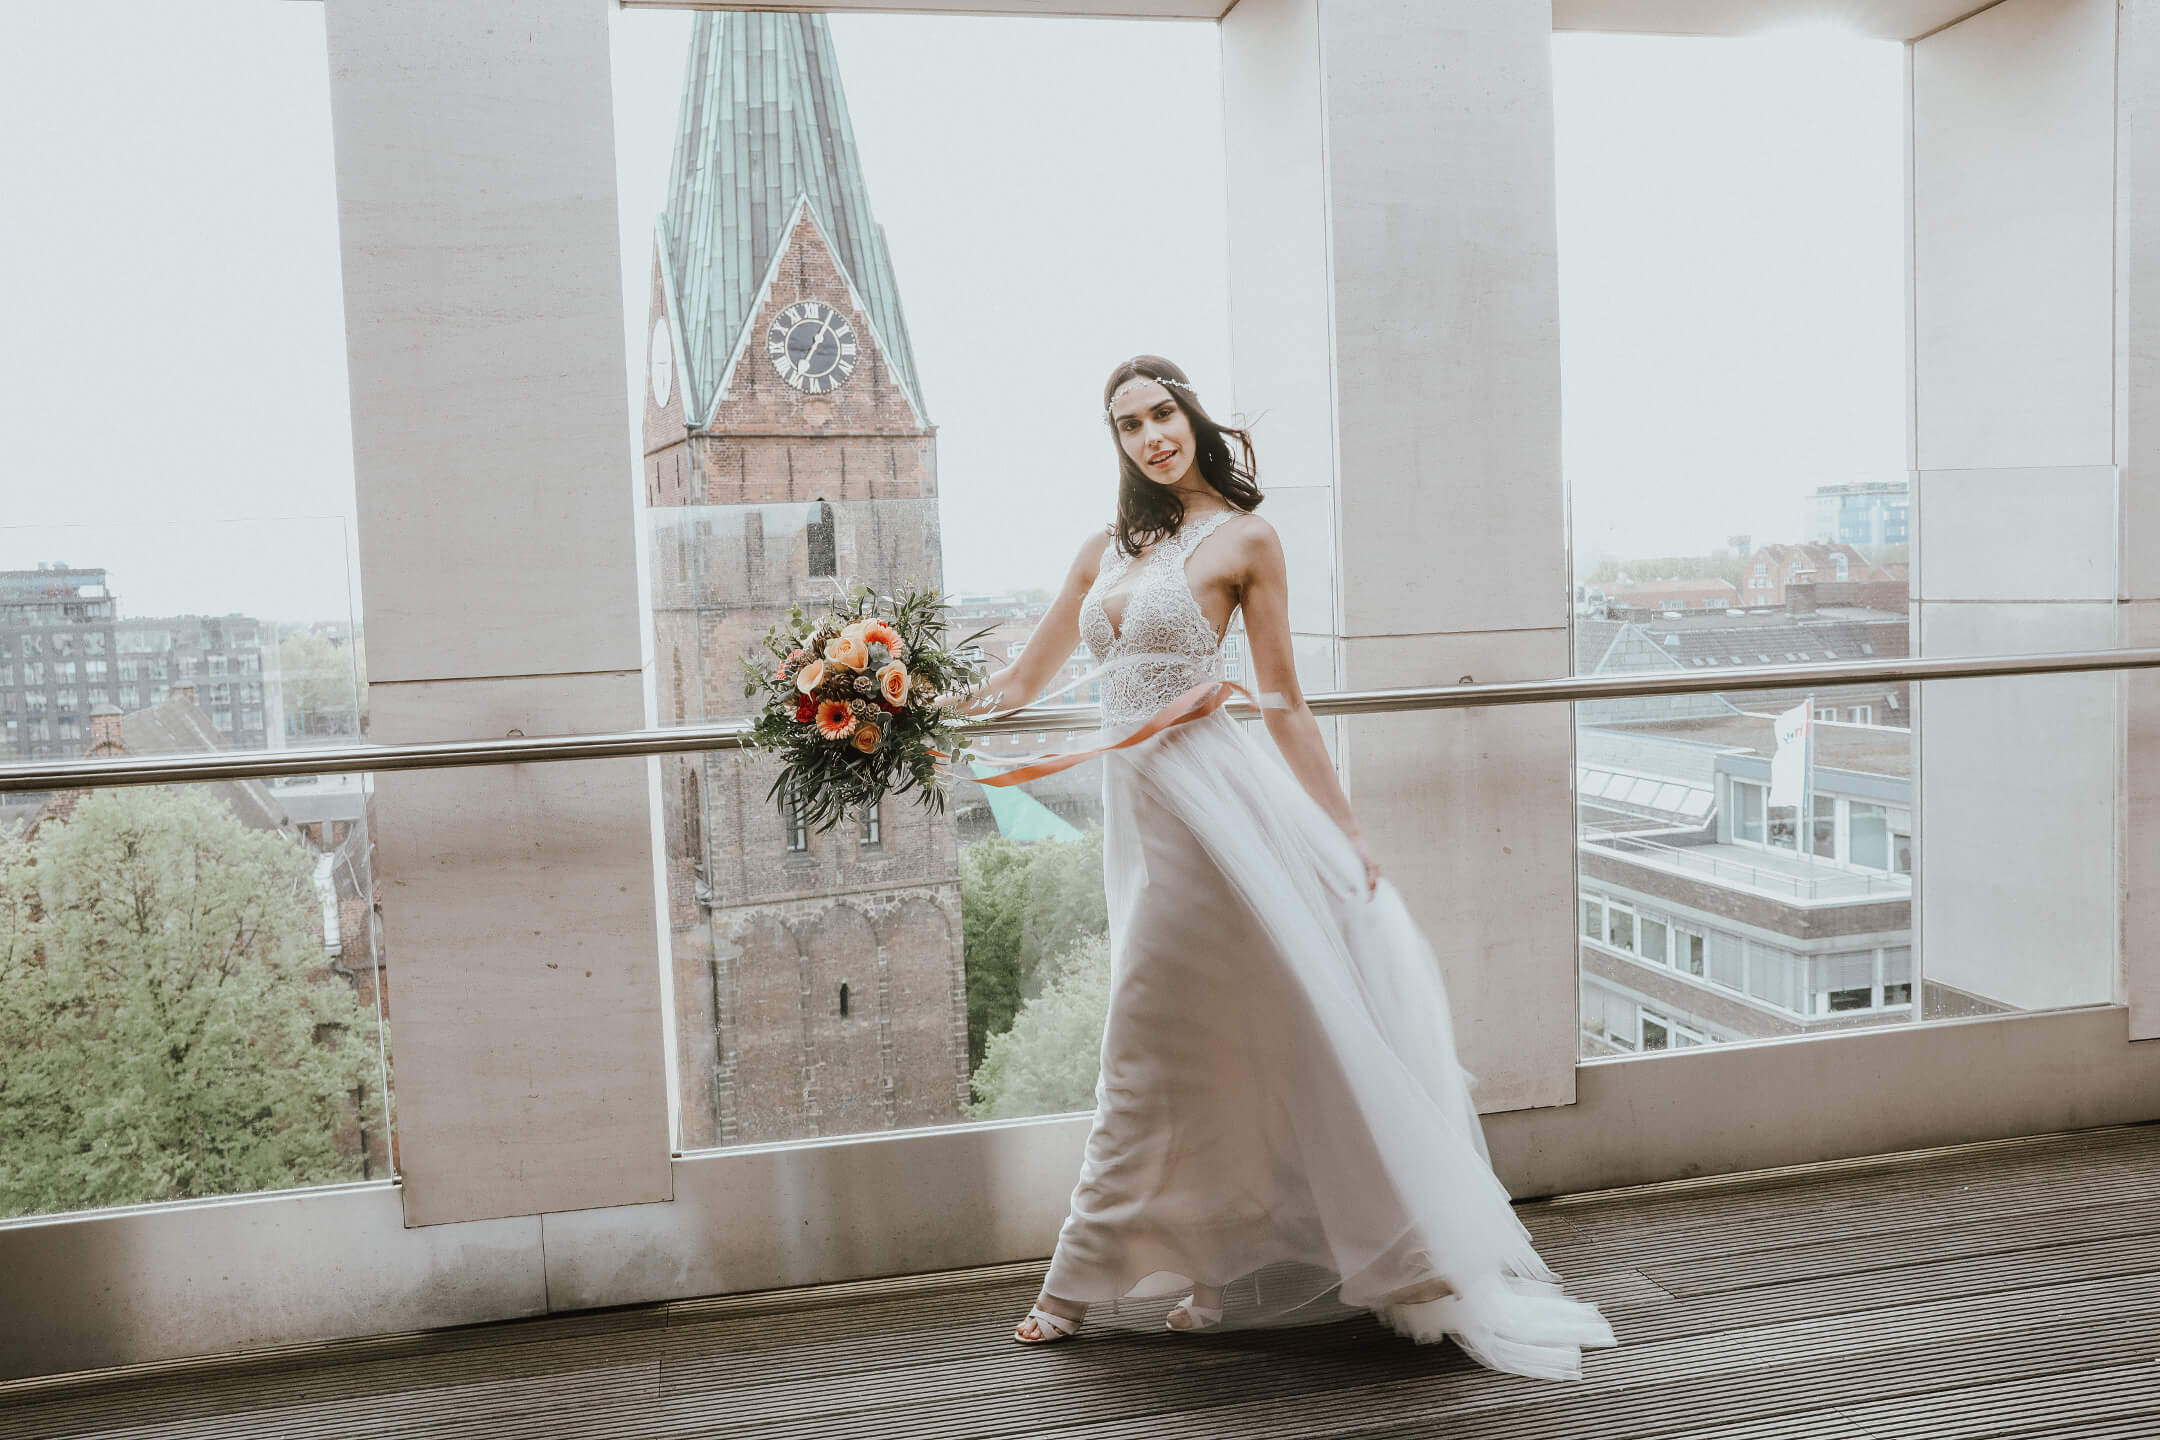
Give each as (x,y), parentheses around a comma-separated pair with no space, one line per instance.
(1142,380)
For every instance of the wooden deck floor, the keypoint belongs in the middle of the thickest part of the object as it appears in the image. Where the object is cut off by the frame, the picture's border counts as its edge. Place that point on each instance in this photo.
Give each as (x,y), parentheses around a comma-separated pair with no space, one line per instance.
(2005,1289)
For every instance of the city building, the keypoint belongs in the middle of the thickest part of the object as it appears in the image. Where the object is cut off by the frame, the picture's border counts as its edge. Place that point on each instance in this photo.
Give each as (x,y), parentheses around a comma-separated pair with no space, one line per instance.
(1773,567)
(1874,512)
(57,659)
(819,982)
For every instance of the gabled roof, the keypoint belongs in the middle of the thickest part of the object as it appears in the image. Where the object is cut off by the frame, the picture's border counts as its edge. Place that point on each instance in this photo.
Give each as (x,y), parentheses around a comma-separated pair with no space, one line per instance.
(765,125)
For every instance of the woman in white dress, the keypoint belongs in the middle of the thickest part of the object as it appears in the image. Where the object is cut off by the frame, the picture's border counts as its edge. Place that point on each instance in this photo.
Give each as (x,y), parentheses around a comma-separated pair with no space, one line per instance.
(1281,1125)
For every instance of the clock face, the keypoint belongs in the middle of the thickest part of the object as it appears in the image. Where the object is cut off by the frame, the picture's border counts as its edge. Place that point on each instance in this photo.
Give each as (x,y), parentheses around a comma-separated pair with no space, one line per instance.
(812,346)
(662,368)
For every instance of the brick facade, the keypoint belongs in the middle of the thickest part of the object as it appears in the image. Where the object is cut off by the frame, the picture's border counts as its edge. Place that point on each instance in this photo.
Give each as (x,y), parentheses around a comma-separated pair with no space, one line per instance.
(767,501)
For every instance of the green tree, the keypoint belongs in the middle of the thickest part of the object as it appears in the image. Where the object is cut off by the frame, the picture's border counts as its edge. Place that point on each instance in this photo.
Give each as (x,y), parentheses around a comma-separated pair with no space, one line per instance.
(324,683)
(1048,1062)
(1020,905)
(167,1027)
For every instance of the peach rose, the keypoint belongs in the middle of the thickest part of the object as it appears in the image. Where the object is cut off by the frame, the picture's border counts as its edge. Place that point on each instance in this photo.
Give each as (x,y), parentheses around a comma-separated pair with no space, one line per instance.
(808,678)
(835,720)
(849,650)
(867,736)
(893,682)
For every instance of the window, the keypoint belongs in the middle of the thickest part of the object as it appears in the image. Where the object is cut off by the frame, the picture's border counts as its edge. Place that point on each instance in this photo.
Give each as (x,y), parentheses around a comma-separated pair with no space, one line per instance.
(824,544)
(1845,982)
(1861,714)
(1688,947)
(1654,941)
(1776,975)
(1784,826)
(870,837)
(1897,975)
(1656,1031)
(1747,812)
(1869,841)
(1825,836)
(1593,917)
(1842,564)
(1762,567)
(1620,927)
(798,831)
(1826,712)
(1726,961)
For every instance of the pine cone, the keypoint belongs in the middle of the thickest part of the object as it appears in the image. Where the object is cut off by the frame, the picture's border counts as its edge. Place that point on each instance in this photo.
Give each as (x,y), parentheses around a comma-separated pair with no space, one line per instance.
(866,686)
(862,709)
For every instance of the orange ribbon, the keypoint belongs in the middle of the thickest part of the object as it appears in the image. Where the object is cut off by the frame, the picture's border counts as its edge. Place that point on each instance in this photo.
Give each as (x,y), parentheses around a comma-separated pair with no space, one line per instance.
(1201,700)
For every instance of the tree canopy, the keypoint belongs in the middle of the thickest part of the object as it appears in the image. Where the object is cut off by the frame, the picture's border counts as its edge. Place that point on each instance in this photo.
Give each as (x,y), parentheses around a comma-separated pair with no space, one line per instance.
(166,1027)
(1020,906)
(1049,1061)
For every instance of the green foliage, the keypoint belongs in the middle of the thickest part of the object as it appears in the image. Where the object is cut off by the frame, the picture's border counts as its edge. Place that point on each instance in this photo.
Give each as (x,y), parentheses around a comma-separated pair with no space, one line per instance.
(830,779)
(165,1032)
(1020,906)
(322,681)
(1049,1061)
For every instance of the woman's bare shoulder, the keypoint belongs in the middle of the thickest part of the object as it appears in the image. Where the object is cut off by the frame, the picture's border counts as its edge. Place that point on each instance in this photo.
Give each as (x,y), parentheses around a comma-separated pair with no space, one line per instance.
(1089,557)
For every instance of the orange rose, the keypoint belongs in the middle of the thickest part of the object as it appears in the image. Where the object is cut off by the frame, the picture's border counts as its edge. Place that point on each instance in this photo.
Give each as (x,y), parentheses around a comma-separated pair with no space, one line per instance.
(835,719)
(808,678)
(893,682)
(867,736)
(848,650)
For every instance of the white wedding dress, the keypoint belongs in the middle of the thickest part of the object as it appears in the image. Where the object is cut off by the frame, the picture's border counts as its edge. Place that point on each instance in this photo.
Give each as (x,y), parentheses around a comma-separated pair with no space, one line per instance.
(1281,1113)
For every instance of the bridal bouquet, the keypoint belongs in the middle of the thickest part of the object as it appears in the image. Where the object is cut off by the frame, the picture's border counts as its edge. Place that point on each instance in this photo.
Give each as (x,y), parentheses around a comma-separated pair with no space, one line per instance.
(850,702)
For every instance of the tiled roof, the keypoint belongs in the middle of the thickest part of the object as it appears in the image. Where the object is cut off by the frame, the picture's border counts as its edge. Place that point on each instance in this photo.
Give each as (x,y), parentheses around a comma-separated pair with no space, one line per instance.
(764,125)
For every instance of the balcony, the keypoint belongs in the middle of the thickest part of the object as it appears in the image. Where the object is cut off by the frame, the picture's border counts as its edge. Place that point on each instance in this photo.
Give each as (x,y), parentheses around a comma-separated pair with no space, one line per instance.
(2008,1288)
(572,1088)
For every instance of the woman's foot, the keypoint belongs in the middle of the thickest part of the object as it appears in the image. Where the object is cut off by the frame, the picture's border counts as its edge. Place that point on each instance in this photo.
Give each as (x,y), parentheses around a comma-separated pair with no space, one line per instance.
(1050,1320)
(1196,1311)
(1430,1290)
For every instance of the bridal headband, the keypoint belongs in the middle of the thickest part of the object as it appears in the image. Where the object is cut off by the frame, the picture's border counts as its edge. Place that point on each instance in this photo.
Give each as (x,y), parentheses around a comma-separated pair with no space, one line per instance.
(1142,380)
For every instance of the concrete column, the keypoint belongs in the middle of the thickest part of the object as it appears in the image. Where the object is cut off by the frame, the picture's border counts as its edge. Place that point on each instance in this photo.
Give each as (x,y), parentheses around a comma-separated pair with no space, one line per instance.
(1394,314)
(2015,498)
(476,196)
(2138,431)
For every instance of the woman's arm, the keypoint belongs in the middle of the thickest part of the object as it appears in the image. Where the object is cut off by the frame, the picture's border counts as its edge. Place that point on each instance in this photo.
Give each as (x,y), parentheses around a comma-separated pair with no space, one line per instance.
(1264,595)
(1048,647)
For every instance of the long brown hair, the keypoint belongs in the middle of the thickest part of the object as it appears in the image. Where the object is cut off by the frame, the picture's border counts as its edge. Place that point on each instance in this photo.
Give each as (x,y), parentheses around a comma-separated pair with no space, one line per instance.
(1147,511)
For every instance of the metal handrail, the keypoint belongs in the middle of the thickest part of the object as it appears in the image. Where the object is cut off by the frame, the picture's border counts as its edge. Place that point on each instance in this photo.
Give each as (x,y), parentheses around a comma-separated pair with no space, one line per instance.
(731,735)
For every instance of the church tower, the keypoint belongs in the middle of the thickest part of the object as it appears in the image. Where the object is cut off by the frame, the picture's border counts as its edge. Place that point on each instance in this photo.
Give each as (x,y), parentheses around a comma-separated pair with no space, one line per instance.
(819,987)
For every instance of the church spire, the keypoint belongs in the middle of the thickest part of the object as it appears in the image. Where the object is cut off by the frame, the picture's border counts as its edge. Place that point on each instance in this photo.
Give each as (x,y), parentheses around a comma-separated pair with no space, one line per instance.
(765,126)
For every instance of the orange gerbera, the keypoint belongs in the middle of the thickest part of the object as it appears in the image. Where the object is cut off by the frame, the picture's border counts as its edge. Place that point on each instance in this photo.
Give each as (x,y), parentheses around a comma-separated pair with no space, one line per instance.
(835,720)
(879,633)
(867,736)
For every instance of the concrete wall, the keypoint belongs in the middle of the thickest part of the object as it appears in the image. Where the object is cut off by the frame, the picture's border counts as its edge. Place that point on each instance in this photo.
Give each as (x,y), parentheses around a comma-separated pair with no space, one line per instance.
(2014,471)
(476,202)
(1394,311)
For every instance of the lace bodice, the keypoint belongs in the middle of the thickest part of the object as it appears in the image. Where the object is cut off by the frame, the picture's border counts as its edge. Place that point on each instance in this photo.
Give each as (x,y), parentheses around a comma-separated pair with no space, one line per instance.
(1163,642)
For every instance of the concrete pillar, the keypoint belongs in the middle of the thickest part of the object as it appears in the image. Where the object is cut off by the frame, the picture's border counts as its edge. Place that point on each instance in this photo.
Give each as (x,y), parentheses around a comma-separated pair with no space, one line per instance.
(1394,312)
(2138,431)
(476,197)
(2015,498)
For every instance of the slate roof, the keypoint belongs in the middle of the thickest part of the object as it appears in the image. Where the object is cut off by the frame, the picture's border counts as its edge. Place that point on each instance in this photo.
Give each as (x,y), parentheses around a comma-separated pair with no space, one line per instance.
(765,125)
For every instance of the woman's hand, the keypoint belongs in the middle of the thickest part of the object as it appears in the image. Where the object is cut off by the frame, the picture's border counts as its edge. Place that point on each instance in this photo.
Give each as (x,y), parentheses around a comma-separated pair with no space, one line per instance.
(1372,866)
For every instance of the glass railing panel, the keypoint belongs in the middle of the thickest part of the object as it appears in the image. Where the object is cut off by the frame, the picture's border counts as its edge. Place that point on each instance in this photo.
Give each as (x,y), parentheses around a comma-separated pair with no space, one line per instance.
(192,997)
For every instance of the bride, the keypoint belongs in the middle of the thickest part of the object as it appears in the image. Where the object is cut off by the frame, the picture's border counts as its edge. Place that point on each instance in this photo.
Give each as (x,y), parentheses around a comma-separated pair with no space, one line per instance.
(1281,1124)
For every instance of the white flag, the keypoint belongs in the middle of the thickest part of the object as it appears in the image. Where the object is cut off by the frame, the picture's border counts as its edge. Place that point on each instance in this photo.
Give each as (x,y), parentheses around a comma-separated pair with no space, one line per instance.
(1788,767)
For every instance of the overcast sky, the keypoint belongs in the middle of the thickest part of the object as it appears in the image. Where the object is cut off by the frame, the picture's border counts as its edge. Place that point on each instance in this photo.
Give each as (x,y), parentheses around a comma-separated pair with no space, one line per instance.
(171,338)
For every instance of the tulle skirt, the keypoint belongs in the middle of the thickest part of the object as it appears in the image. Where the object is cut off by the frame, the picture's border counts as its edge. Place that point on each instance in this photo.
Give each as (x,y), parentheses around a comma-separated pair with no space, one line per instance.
(1281,1113)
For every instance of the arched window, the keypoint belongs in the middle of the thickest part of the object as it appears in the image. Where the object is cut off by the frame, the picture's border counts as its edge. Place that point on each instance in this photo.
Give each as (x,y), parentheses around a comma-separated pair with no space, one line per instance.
(824,554)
